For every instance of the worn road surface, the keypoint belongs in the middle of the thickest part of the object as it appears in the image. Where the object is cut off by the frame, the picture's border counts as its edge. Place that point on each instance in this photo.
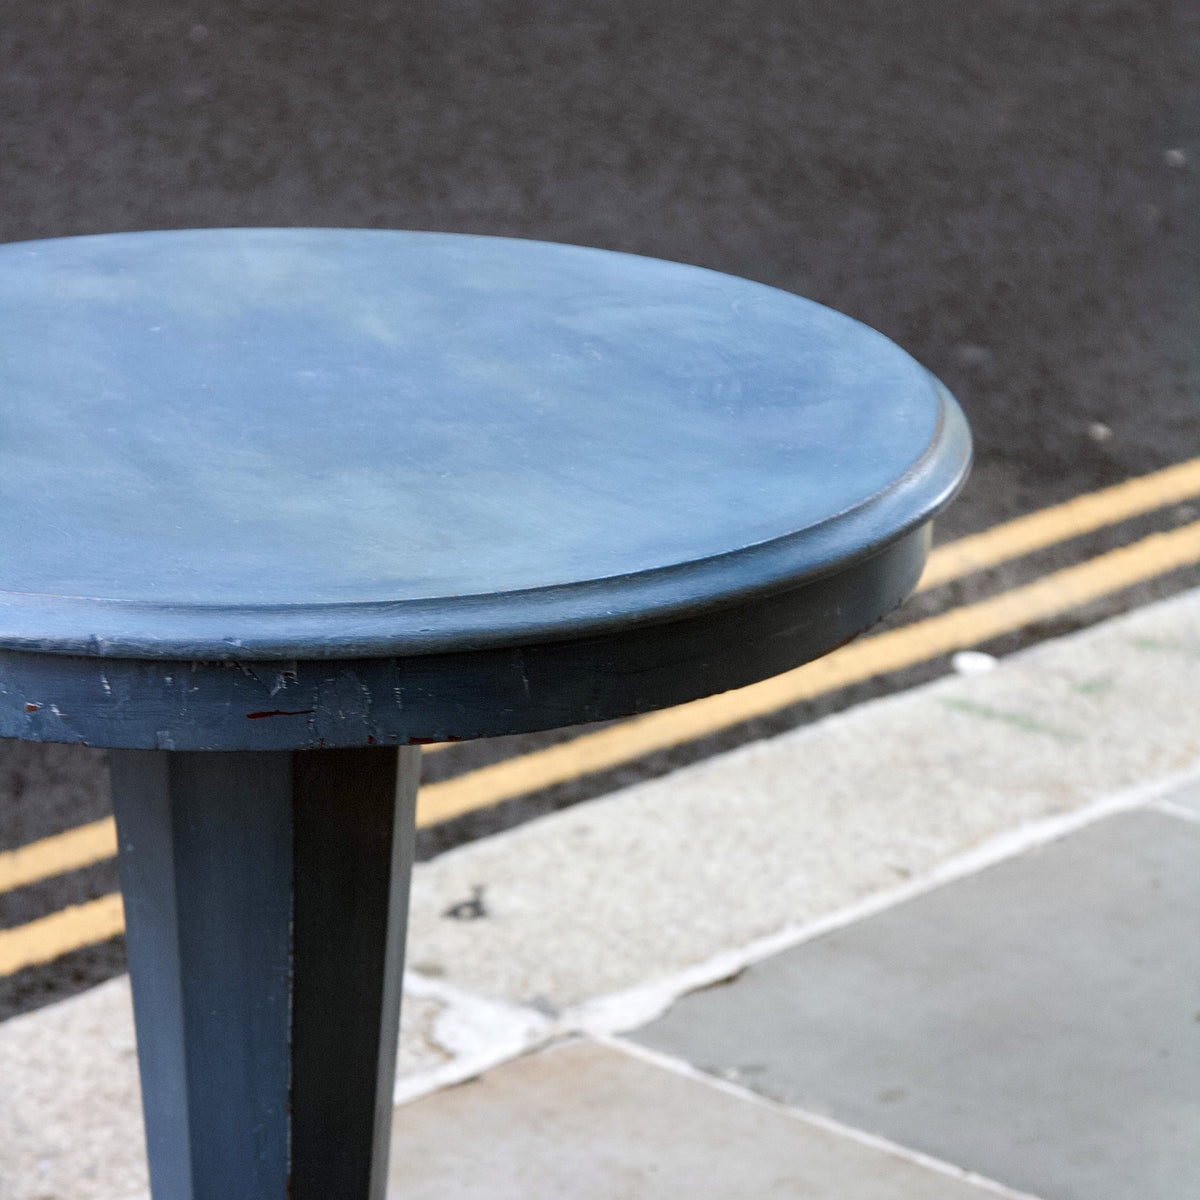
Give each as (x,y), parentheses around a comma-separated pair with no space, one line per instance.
(1008,189)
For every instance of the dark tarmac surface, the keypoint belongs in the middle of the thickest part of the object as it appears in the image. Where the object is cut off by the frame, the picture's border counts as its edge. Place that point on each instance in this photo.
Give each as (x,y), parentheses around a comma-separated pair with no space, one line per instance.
(1006,188)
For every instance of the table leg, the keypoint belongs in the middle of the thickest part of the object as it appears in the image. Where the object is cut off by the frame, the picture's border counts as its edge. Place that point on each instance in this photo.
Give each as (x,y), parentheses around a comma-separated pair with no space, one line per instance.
(266,898)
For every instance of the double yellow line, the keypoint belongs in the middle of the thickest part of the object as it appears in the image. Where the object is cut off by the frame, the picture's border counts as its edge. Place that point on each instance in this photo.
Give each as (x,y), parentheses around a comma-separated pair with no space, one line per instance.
(892,651)
(85,924)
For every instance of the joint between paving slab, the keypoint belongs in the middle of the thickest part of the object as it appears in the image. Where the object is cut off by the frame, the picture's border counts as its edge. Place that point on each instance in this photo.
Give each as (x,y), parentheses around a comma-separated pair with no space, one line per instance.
(1172,809)
(501,1032)
(621,1011)
(489,1032)
(506,1031)
(862,1137)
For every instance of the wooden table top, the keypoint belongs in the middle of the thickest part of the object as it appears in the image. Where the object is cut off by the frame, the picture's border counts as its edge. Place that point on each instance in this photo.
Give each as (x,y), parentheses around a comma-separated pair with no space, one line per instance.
(295,444)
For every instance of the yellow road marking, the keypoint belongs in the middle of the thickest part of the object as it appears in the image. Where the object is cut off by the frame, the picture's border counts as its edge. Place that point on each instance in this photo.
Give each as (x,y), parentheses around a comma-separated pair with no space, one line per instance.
(890,651)
(1002,543)
(78,847)
(1049,526)
(590,753)
(1012,539)
(61,932)
(84,924)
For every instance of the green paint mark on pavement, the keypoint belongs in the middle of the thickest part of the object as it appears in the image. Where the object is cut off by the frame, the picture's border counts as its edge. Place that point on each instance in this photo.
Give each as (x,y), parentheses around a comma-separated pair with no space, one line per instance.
(1100,686)
(1174,645)
(1016,720)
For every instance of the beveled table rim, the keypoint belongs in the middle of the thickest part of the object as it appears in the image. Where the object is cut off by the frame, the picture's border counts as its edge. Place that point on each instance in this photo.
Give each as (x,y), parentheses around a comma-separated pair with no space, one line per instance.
(111,628)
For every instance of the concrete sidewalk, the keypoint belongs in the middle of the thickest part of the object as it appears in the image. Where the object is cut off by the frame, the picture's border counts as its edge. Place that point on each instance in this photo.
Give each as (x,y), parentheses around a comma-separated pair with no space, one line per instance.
(942,945)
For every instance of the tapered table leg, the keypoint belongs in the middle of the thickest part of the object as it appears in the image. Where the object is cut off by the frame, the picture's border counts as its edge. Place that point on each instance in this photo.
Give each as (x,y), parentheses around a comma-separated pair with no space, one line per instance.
(266,898)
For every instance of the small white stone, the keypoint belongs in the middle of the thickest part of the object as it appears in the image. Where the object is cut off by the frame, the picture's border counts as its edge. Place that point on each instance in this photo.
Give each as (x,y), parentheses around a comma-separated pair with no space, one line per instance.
(1099,432)
(973,662)
(1175,158)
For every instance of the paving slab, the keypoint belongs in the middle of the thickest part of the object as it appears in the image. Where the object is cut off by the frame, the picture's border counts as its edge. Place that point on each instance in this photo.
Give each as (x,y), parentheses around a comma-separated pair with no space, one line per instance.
(591,1123)
(662,875)
(1186,797)
(71,1108)
(1038,1022)
(629,891)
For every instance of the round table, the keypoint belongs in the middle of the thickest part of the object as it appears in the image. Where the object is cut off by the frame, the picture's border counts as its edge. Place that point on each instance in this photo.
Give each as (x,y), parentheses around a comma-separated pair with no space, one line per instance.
(279,505)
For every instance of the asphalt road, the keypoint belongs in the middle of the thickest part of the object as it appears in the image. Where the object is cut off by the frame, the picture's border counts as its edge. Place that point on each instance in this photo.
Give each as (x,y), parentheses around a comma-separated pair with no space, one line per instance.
(1007,188)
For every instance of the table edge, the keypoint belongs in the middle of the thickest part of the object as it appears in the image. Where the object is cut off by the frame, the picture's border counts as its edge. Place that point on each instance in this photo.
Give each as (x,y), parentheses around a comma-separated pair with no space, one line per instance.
(56,625)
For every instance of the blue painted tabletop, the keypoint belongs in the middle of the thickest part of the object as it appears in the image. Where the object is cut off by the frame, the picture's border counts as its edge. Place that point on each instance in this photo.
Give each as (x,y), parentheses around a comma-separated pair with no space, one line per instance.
(290,443)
